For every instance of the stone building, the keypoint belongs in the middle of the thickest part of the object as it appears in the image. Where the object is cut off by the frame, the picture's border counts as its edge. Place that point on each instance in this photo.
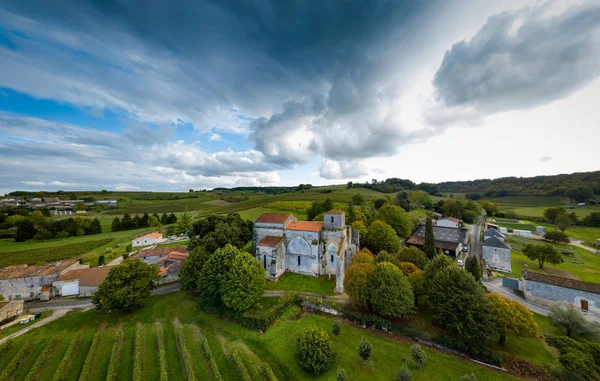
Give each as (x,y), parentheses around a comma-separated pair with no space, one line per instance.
(548,289)
(10,308)
(448,240)
(32,282)
(91,279)
(496,254)
(282,243)
(490,233)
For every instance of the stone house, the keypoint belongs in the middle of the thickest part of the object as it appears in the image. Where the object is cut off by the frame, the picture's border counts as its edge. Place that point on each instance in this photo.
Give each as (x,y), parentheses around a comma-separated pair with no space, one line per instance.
(31,282)
(155,254)
(282,243)
(548,289)
(91,279)
(148,239)
(10,308)
(496,254)
(68,284)
(448,240)
(492,233)
(169,266)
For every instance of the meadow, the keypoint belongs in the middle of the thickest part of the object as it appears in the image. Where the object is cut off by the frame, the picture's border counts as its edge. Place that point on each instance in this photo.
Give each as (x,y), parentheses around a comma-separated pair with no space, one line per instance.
(534,206)
(171,337)
(583,233)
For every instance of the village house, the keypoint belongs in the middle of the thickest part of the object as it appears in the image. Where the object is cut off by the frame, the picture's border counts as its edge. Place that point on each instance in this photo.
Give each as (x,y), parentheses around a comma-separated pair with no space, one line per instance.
(282,243)
(68,283)
(32,282)
(170,265)
(155,254)
(548,289)
(448,240)
(449,222)
(489,233)
(91,279)
(147,239)
(496,254)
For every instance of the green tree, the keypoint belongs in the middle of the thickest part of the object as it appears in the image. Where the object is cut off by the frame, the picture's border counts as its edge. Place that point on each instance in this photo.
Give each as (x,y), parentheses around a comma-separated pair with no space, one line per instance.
(378,203)
(337,327)
(556,237)
(381,236)
(384,256)
(429,241)
(155,222)
(136,222)
(458,303)
(397,218)
(349,185)
(580,193)
(563,222)
(490,208)
(116,225)
(413,255)
(184,224)
(145,220)
(365,348)
(356,283)
(569,318)
(215,273)
(543,253)
(361,227)
(25,231)
(127,222)
(417,283)
(95,227)
(358,199)
(437,264)
(418,354)
(189,275)
(473,267)
(244,283)
(403,201)
(172,218)
(101,260)
(363,256)
(126,287)
(164,219)
(341,376)
(511,318)
(551,214)
(390,293)
(404,374)
(314,350)
(43,234)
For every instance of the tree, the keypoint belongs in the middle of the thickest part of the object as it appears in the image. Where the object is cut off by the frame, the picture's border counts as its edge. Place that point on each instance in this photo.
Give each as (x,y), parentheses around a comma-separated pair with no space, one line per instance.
(214,274)
(490,208)
(341,376)
(95,227)
(244,283)
(337,327)
(314,350)
(458,303)
(189,275)
(579,193)
(356,283)
(551,214)
(473,267)
(136,222)
(404,374)
(417,283)
(365,348)
(25,231)
(407,268)
(436,265)
(543,253)
(563,222)
(349,185)
(363,256)
(164,219)
(413,255)
(384,256)
(43,234)
(593,219)
(418,354)
(116,225)
(402,200)
(171,219)
(556,237)
(378,203)
(390,293)
(184,223)
(101,260)
(126,287)
(358,199)
(127,223)
(511,318)
(569,318)
(429,242)
(81,206)
(145,220)
(155,222)
(361,227)
(381,236)
(397,218)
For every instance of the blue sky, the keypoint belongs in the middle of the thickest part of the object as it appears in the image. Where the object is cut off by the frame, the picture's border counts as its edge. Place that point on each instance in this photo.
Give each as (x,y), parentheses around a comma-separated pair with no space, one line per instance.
(200,94)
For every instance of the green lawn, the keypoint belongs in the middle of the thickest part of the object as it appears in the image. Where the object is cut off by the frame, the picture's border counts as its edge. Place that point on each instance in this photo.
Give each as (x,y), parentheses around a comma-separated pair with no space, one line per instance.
(581,263)
(276,347)
(584,233)
(303,283)
(17,327)
(534,206)
(173,244)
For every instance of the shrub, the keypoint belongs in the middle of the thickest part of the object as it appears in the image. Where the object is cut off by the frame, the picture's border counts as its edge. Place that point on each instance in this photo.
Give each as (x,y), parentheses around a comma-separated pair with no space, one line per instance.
(162,355)
(418,354)
(314,350)
(212,364)
(556,236)
(404,374)
(59,373)
(337,327)
(468,377)
(138,353)
(185,353)
(114,358)
(15,362)
(478,351)
(365,348)
(87,366)
(239,365)
(341,376)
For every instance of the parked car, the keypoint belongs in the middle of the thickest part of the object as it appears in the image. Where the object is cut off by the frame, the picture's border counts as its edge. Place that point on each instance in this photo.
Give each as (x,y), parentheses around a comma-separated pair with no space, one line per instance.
(465,249)
(172,238)
(460,262)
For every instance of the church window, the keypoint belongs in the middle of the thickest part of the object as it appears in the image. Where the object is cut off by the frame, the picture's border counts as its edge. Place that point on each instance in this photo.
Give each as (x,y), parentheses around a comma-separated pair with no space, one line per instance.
(298,260)
(331,219)
(332,259)
(265,261)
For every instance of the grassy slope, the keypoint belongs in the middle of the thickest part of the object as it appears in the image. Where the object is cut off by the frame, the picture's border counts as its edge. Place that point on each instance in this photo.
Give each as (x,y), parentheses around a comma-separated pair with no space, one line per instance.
(302,283)
(17,327)
(584,233)
(277,346)
(534,206)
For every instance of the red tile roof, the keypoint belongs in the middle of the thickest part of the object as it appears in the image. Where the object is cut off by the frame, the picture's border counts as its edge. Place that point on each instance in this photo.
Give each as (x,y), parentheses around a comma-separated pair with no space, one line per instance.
(273,218)
(270,241)
(15,272)
(309,226)
(94,276)
(161,251)
(73,274)
(153,235)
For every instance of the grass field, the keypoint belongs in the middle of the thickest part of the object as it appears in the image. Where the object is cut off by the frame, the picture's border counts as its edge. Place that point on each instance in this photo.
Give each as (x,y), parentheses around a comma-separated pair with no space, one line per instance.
(303,283)
(578,263)
(584,233)
(534,206)
(275,348)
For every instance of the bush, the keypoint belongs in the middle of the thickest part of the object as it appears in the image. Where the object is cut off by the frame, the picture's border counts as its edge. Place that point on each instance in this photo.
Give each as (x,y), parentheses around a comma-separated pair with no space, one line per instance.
(337,327)
(478,351)
(404,374)
(341,376)
(365,348)
(114,358)
(556,236)
(468,377)
(59,373)
(314,350)
(418,354)
(577,357)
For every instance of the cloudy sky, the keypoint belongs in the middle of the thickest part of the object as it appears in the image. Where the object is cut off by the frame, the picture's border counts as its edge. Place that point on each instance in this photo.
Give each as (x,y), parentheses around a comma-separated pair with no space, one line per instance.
(158,95)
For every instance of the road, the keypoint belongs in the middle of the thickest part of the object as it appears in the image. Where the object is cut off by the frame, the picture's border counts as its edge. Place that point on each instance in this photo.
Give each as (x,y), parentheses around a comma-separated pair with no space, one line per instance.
(475,230)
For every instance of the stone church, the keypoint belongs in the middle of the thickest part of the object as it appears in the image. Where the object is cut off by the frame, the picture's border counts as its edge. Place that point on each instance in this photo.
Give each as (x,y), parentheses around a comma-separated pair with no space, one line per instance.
(282,243)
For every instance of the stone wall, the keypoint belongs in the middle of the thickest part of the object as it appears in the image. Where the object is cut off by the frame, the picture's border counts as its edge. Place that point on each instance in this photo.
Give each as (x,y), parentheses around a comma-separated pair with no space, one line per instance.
(497,258)
(13,308)
(87,291)
(25,288)
(547,294)
(306,246)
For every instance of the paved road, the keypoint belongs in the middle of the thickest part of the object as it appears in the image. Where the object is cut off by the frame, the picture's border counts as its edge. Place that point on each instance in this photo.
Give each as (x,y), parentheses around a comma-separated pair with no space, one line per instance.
(475,233)
(55,315)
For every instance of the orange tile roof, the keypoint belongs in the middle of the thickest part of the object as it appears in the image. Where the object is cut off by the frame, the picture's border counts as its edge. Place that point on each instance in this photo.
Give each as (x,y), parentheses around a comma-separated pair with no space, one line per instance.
(309,226)
(94,276)
(270,240)
(73,274)
(335,211)
(161,251)
(35,271)
(153,235)
(273,218)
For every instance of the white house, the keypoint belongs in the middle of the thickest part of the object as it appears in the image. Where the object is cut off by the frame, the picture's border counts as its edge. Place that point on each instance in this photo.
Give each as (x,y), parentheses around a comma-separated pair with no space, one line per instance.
(449,222)
(148,239)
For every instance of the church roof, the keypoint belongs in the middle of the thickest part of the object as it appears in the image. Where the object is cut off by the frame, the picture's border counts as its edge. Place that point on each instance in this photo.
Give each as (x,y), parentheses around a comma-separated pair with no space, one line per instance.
(270,240)
(273,218)
(335,211)
(309,226)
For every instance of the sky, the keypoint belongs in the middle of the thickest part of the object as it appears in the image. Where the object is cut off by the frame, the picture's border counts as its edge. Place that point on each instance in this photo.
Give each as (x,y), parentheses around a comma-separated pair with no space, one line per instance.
(131,95)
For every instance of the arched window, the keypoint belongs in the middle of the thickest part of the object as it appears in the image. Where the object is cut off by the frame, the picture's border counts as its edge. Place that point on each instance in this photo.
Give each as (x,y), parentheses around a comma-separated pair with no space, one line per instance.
(265,261)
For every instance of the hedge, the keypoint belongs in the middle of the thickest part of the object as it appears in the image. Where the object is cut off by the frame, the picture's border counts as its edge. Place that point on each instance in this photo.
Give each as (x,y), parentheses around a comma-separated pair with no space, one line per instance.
(212,364)
(87,366)
(239,365)
(50,254)
(138,352)
(35,368)
(15,362)
(185,353)
(59,373)
(114,358)
(162,355)
(268,372)
(7,320)
(474,350)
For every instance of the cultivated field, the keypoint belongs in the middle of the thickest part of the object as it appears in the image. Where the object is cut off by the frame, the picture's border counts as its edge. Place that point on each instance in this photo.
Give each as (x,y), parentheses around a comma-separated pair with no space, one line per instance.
(534,206)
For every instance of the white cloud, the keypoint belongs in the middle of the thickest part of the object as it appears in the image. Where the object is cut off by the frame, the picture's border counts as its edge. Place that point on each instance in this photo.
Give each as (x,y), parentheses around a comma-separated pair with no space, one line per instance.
(34,183)
(214,137)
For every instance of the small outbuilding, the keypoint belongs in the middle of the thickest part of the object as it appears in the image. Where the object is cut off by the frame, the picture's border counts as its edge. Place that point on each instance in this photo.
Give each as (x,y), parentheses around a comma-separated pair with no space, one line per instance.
(146,240)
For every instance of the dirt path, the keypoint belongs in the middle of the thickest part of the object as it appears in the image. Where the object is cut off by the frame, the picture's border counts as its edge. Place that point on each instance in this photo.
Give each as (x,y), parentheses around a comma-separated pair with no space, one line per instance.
(57,314)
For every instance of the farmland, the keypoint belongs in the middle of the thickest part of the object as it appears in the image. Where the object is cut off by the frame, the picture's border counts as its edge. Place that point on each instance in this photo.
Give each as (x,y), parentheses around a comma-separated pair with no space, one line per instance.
(534,206)
(129,345)
(584,233)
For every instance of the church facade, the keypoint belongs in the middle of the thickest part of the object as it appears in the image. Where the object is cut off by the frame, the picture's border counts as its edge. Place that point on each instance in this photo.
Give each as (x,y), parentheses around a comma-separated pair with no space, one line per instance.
(282,243)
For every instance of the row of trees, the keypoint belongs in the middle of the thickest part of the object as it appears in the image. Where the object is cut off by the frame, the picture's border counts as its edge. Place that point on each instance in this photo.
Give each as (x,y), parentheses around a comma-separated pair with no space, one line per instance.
(128,223)
(394,184)
(561,217)
(37,226)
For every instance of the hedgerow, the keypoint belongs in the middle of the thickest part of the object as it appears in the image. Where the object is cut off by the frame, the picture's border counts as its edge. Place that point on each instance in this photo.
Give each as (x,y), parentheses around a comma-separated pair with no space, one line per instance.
(16,361)
(268,372)
(138,352)
(239,365)
(212,364)
(49,254)
(59,373)
(162,356)
(114,358)
(35,368)
(185,353)
(87,366)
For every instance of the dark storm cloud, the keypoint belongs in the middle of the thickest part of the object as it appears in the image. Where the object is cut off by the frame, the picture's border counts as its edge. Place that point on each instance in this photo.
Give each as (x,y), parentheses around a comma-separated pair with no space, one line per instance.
(522,59)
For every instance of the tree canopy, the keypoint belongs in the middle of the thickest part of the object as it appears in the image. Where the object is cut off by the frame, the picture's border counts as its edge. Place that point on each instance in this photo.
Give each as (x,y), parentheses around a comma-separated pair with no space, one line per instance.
(511,318)
(390,292)
(356,283)
(190,272)
(543,253)
(381,236)
(314,350)
(429,242)
(396,217)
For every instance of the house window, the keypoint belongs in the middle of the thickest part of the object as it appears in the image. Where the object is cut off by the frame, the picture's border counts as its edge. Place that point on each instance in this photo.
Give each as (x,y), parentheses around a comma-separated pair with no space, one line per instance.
(265,260)
(332,259)
(584,305)
(331,219)
(298,260)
